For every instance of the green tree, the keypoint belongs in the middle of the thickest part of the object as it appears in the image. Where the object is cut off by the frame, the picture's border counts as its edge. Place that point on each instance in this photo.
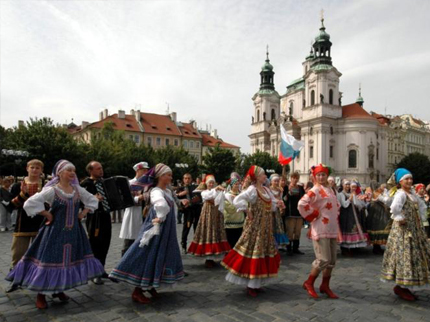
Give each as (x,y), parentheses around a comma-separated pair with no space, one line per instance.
(219,162)
(45,141)
(419,165)
(172,156)
(262,159)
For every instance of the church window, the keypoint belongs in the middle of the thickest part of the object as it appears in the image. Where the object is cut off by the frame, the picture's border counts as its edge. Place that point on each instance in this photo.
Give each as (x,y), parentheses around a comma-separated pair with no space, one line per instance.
(264,116)
(371,163)
(331,151)
(312,97)
(311,152)
(311,131)
(273,117)
(291,108)
(304,103)
(377,153)
(258,116)
(331,130)
(330,96)
(352,159)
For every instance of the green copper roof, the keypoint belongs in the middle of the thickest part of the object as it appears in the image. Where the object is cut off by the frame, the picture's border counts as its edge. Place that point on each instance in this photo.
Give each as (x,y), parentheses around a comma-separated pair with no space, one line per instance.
(298,80)
(321,67)
(266,91)
(267,67)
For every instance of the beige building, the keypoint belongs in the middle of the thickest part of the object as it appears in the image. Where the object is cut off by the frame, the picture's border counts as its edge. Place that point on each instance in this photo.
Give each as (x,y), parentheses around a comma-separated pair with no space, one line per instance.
(154,130)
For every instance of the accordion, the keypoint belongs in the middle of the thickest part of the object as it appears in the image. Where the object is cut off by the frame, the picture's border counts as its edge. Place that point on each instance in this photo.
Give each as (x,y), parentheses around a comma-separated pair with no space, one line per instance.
(118,193)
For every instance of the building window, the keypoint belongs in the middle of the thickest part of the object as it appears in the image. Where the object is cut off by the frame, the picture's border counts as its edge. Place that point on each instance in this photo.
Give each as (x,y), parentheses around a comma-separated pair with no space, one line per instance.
(149,140)
(136,138)
(312,97)
(158,141)
(304,103)
(330,96)
(371,163)
(131,137)
(273,116)
(176,142)
(191,144)
(198,145)
(377,153)
(167,142)
(311,152)
(185,144)
(258,116)
(290,112)
(331,130)
(331,151)
(352,159)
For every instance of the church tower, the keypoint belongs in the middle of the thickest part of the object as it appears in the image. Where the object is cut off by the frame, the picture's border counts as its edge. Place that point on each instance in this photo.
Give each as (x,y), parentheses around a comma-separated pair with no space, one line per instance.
(266,109)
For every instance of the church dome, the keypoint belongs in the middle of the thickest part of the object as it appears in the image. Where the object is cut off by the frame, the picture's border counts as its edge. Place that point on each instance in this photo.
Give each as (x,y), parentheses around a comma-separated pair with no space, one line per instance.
(267,67)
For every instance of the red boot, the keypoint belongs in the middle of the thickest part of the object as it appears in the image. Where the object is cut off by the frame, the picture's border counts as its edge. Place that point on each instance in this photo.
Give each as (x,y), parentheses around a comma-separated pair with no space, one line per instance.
(308,285)
(41,302)
(138,296)
(403,293)
(325,288)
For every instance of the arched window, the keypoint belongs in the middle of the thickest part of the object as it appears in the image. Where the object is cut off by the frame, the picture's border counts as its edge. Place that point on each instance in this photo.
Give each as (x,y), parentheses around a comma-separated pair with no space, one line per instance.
(258,115)
(273,116)
(352,159)
(330,96)
(264,116)
(312,97)
(291,108)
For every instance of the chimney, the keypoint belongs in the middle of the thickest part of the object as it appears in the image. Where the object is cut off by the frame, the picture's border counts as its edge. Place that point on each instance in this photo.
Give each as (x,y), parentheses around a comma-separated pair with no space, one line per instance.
(132,112)
(121,114)
(105,113)
(21,123)
(101,116)
(137,115)
(214,133)
(84,124)
(173,116)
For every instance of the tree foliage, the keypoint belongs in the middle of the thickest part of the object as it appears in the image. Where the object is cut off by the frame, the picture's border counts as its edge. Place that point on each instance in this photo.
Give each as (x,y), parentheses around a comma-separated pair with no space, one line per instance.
(262,159)
(219,162)
(419,165)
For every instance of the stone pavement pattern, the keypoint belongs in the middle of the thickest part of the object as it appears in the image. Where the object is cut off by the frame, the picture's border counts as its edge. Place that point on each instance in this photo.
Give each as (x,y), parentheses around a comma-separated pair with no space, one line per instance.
(205,296)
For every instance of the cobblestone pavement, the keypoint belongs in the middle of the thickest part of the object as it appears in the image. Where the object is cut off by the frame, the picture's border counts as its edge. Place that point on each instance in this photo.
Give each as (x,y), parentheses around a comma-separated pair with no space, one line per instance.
(205,296)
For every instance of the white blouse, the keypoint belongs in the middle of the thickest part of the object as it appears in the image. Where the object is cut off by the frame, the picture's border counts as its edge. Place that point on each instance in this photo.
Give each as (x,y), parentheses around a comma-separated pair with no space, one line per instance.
(400,199)
(345,202)
(36,203)
(216,195)
(160,204)
(250,195)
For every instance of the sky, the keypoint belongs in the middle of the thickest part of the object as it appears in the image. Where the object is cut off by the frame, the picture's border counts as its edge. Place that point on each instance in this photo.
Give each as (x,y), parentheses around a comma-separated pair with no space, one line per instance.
(69,60)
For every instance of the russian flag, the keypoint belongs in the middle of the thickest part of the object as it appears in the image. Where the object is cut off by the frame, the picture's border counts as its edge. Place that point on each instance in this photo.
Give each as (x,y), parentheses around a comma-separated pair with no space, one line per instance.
(290,147)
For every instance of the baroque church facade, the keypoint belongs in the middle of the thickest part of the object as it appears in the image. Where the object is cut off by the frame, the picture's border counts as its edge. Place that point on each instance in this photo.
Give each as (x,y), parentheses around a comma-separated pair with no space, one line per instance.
(346,137)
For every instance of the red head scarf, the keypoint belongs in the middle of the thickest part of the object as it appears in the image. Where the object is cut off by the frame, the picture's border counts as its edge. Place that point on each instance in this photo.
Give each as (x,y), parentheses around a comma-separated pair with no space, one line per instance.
(320,168)
(254,171)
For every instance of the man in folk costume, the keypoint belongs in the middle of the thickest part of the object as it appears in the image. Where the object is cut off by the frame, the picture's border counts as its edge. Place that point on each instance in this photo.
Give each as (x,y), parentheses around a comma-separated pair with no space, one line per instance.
(133,218)
(255,257)
(320,207)
(407,254)
(191,209)
(26,227)
(99,224)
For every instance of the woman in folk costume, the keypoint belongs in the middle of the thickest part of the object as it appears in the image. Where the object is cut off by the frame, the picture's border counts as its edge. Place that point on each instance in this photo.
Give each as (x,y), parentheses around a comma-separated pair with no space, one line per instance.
(60,258)
(407,255)
(210,239)
(378,221)
(352,218)
(254,258)
(154,257)
(233,219)
(293,192)
(278,224)
(320,207)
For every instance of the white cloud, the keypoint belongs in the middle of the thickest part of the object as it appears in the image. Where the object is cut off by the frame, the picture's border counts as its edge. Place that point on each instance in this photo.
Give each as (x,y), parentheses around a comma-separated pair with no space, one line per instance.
(70,59)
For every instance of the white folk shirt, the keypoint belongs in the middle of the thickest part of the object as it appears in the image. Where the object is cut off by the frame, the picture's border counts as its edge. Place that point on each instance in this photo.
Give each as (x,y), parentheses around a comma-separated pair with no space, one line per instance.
(132,220)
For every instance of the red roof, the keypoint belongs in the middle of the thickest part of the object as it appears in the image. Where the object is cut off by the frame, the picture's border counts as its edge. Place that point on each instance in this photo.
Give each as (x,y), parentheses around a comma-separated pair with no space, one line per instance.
(158,124)
(212,142)
(188,131)
(355,111)
(128,123)
(381,118)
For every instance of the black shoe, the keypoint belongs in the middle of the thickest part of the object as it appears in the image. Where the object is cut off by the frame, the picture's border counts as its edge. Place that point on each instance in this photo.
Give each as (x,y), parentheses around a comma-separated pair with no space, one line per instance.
(12,288)
(296,244)
(289,250)
(105,275)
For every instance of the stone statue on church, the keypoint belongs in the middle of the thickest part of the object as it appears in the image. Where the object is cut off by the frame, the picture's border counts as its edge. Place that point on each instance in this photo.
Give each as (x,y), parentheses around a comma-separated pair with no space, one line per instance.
(252,120)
